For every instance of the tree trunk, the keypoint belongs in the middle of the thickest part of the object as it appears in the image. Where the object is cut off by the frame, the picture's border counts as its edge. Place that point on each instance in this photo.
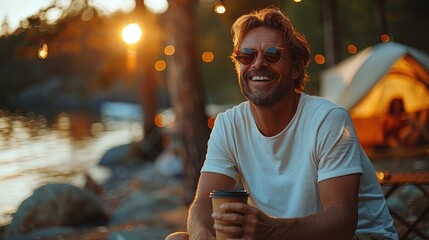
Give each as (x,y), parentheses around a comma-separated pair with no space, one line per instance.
(147,51)
(332,37)
(186,91)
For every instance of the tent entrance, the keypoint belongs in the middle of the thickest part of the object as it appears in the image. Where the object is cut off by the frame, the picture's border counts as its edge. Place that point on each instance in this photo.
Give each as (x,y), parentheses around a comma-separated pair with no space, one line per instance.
(406,79)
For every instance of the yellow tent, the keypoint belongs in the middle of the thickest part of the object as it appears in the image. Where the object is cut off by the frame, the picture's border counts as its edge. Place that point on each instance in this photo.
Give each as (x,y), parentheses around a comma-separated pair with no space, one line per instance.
(366,82)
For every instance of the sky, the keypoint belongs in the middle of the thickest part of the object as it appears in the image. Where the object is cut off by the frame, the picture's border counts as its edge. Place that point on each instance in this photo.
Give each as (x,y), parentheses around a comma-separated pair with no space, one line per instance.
(16,10)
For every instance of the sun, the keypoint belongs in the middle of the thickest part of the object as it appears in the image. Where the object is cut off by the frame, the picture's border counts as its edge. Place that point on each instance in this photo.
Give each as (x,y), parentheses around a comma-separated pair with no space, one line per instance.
(131,33)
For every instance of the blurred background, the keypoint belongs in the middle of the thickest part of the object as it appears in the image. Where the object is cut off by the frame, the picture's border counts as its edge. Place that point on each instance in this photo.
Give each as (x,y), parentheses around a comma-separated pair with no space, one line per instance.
(79,77)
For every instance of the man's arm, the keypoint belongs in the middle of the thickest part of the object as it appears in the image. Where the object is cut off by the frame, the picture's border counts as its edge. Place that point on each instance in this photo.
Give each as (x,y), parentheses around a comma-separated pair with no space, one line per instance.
(200,222)
(337,220)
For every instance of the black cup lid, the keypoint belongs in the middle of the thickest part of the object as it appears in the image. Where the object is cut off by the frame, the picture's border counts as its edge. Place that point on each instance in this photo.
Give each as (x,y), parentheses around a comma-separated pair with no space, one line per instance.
(229,193)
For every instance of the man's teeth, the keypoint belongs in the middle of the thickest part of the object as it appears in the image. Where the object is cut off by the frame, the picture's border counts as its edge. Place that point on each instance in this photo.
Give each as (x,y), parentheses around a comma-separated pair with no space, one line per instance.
(260,78)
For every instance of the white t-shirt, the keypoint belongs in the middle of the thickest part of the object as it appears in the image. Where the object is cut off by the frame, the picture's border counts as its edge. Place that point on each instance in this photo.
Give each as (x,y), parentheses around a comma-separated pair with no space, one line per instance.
(281,173)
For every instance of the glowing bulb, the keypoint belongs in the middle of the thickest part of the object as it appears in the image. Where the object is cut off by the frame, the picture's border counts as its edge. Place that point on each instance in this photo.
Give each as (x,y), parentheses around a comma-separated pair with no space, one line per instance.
(160,65)
(319,59)
(385,38)
(220,9)
(207,56)
(352,49)
(169,50)
(43,51)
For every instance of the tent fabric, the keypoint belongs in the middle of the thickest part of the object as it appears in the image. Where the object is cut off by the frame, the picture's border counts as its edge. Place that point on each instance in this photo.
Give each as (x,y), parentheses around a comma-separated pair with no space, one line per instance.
(387,67)
(366,82)
(402,80)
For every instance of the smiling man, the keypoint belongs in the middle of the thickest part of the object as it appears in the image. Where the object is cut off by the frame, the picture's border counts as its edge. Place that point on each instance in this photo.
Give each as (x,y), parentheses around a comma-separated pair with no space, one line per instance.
(297,155)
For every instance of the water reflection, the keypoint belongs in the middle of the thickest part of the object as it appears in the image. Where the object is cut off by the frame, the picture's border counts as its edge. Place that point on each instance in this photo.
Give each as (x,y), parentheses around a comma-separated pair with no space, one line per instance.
(33,154)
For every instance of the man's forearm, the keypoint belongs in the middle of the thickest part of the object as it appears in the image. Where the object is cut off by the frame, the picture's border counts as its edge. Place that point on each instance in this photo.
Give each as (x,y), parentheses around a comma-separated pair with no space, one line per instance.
(200,222)
(333,223)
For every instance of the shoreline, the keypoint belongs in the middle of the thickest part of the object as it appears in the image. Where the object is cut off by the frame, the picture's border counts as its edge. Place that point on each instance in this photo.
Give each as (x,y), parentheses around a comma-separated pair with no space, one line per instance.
(139,200)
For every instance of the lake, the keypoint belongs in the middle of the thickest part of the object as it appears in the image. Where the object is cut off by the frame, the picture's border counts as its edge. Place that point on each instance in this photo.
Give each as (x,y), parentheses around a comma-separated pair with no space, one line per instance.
(33,153)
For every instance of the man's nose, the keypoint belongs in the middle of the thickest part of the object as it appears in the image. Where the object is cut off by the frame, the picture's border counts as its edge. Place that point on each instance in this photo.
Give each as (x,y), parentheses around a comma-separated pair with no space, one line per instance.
(260,60)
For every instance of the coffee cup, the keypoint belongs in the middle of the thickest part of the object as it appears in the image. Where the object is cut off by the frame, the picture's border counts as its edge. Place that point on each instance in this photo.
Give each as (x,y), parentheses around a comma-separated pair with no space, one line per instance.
(226,196)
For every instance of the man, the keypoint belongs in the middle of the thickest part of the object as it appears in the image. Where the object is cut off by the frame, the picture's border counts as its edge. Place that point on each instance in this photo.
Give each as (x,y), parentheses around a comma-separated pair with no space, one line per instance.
(297,155)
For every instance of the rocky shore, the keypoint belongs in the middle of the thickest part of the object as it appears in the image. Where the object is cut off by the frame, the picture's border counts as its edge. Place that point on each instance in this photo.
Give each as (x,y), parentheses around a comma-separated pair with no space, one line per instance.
(140,201)
(144,201)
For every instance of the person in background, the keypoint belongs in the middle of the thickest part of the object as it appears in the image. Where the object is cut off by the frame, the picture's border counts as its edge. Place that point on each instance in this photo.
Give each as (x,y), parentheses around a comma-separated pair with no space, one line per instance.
(400,129)
(297,155)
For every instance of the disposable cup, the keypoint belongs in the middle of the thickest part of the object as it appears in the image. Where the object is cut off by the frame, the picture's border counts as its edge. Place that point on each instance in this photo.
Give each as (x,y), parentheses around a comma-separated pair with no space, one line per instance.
(226,196)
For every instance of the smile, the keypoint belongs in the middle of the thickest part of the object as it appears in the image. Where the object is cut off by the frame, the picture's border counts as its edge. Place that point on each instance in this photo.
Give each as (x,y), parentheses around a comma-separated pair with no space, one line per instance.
(260,78)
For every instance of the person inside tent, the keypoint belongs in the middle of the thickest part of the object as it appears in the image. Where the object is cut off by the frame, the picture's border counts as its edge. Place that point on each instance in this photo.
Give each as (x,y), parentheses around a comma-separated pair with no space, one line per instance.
(400,129)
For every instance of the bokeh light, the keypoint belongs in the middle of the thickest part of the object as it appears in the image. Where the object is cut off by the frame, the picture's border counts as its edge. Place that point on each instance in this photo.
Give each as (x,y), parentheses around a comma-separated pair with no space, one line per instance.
(352,49)
(160,65)
(132,33)
(319,59)
(43,51)
(169,50)
(207,56)
(385,38)
(210,122)
(383,175)
(165,119)
(156,6)
(220,9)
(160,120)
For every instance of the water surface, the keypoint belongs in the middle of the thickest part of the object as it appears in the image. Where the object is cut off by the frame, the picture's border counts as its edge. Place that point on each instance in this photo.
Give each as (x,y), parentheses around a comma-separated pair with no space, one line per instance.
(33,154)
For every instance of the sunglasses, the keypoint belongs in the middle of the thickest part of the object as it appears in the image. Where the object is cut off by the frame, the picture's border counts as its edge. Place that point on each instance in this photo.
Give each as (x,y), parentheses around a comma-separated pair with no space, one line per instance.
(247,56)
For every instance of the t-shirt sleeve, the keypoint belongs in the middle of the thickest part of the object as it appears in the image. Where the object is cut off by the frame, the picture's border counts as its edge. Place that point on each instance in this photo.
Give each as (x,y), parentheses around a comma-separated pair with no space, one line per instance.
(219,157)
(337,146)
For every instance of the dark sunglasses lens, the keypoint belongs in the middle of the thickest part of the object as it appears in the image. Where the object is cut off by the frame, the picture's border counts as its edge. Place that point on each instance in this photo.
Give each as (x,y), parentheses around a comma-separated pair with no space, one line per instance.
(273,54)
(245,56)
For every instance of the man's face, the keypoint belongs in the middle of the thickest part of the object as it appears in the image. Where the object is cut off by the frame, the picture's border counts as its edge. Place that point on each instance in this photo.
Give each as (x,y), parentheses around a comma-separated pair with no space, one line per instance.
(261,82)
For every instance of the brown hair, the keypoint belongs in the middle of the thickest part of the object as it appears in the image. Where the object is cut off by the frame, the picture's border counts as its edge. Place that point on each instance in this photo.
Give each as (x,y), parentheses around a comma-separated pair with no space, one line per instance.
(273,18)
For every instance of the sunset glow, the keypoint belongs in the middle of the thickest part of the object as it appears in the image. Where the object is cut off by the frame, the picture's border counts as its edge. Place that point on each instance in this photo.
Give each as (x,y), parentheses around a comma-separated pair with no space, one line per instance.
(132,33)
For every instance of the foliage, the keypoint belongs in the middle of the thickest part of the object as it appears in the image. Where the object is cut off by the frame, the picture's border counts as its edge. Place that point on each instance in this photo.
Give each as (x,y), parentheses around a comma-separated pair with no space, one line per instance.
(87,59)
(77,69)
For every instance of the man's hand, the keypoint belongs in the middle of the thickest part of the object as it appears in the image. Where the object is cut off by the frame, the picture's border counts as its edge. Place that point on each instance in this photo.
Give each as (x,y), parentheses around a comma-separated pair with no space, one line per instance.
(337,220)
(242,219)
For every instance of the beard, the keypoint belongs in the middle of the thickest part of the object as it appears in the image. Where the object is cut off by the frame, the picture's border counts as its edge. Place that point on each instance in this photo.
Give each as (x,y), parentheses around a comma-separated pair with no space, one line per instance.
(265,97)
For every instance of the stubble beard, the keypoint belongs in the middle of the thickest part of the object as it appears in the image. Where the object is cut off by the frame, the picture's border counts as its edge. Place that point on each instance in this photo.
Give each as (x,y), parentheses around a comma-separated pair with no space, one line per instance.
(265,97)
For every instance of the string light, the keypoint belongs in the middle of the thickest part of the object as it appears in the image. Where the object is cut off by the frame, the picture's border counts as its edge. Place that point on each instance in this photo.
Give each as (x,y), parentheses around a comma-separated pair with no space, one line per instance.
(319,59)
(219,7)
(385,38)
(352,49)
(207,56)
(43,51)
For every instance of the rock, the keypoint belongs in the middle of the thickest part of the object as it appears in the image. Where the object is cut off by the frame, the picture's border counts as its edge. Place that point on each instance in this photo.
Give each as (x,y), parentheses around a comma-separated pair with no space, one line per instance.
(56,205)
(142,205)
(114,157)
(169,164)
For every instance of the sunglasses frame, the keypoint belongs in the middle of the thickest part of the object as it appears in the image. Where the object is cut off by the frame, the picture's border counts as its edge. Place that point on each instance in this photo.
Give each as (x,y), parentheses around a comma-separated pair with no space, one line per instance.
(239,54)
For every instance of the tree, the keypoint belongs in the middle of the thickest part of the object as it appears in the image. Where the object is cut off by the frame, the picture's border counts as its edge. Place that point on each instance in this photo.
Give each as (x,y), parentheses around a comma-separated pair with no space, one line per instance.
(186,91)
(151,145)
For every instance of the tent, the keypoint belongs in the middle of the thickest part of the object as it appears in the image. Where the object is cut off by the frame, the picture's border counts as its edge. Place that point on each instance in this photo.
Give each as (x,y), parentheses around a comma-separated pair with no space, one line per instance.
(366,82)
